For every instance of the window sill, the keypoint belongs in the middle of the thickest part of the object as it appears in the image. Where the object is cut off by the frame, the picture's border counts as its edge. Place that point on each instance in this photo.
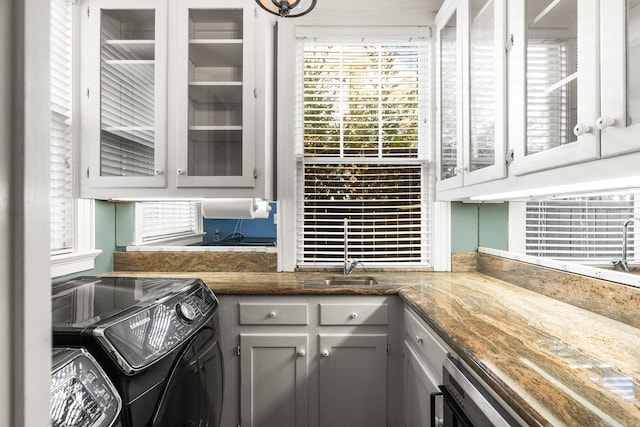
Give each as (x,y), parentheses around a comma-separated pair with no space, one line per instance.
(62,265)
(176,241)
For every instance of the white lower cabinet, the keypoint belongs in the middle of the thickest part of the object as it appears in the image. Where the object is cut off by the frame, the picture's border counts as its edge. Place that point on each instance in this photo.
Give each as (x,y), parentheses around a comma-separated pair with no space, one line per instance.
(418,384)
(423,354)
(328,361)
(298,361)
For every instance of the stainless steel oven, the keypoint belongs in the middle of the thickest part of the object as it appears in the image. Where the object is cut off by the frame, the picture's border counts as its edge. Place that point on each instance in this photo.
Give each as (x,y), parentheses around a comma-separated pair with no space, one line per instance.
(467,403)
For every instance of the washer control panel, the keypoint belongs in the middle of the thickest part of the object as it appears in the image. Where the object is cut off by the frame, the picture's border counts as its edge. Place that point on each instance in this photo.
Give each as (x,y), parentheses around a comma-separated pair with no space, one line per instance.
(146,336)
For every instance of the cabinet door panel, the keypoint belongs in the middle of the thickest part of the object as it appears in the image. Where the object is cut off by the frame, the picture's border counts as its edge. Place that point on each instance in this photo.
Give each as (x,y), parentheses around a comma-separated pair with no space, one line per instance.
(124,103)
(353,380)
(620,57)
(555,71)
(214,87)
(449,78)
(418,384)
(273,374)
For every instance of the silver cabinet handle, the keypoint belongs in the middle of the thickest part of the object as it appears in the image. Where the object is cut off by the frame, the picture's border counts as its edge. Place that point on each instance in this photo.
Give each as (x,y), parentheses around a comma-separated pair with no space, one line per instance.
(419,339)
(354,315)
(272,314)
(325,353)
(301,352)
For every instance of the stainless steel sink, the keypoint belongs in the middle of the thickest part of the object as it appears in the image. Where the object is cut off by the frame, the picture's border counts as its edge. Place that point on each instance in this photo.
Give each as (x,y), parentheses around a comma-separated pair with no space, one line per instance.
(350,281)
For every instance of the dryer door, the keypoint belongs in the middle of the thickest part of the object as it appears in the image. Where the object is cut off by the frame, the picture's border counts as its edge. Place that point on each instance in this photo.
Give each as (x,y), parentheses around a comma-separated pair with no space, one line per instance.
(193,393)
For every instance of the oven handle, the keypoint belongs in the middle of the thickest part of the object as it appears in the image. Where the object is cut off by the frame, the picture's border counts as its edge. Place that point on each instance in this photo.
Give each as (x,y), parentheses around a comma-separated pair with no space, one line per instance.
(432,408)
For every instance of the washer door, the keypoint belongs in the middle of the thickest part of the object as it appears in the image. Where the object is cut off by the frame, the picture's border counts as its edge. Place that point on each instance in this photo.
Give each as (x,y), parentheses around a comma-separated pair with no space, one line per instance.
(193,393)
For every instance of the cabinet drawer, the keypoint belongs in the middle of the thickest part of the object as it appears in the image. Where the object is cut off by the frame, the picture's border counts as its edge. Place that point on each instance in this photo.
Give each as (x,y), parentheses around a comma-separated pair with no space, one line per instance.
(273,314)
(425,340)
(354,314)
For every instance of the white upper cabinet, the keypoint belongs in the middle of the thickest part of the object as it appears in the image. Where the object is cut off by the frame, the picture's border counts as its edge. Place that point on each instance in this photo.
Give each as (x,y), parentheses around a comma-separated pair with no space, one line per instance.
(620,72)
(214,95)
(123,93)
(553,83)
(172,107)
(471,92)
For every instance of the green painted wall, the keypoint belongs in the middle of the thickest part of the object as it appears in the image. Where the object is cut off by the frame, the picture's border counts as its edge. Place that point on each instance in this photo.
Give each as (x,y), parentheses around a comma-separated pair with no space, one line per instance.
(479,224)
(113,228)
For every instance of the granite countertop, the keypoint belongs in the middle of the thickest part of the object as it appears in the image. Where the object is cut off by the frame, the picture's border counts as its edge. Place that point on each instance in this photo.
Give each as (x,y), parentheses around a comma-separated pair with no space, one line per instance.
(554,363)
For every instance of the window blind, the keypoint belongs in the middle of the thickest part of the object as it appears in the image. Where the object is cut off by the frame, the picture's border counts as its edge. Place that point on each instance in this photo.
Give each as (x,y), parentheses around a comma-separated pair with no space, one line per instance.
(167,220)
(549,118)
(62,203)
(363,138)
(581,229)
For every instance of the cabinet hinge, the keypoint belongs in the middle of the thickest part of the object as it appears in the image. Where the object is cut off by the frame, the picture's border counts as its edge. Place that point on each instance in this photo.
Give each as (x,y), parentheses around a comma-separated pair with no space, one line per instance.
(88,12)
(238,349)
(87,172)
(88,92)
(508,45)
(255,173)
(255,92)
(388,349)
(508,157)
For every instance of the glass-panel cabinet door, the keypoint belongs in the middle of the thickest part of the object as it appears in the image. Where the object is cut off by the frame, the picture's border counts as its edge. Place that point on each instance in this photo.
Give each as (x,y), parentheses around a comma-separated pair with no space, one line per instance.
(126,94)
(486,96)
(620,74)
(214,118)
(555,65)
(449,79)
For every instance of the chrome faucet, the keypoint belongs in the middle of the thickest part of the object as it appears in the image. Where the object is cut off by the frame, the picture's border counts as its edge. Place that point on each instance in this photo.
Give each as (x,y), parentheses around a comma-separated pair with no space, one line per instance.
(349,264)
(622,263)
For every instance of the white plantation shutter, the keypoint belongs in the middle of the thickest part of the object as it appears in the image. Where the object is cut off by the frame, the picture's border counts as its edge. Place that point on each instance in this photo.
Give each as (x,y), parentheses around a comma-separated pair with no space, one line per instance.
(166,220)
(61,187)
(582,229)
(362,144)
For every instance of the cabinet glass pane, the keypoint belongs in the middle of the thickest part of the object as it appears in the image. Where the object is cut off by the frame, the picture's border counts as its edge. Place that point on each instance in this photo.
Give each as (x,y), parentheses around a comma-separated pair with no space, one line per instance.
(633,62)
(551,73)
(449,100)
(482,84)
(215,92)
(127,92)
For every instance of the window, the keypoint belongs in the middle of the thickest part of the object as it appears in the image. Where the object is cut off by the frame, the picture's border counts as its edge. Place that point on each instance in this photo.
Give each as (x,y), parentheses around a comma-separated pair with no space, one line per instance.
(363,151)
(72,241)
(175,223)
(582,229)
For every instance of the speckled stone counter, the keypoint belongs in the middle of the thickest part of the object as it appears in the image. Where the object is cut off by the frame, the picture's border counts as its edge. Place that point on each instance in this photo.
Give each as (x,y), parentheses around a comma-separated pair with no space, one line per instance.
(554,363)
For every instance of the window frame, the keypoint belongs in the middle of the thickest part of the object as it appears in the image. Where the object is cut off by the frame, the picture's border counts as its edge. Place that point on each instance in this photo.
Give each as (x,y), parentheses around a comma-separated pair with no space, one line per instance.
(83,254)
(140,239)
(518,231)
(438,225)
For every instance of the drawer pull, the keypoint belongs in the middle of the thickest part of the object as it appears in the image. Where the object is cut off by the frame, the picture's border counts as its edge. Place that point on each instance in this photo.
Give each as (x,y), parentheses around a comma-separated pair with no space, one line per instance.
(301,352)
(272,314)
(419,339)
(354,315)
(325,353)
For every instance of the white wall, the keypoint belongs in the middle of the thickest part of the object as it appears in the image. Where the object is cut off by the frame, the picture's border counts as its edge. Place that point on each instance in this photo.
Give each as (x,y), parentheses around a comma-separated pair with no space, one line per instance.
(25,292)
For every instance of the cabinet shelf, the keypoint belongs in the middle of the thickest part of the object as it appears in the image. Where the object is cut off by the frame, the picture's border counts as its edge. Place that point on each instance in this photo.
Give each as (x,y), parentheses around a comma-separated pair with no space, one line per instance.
(216,53)
(216,92)
(131,49)
(214,128)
